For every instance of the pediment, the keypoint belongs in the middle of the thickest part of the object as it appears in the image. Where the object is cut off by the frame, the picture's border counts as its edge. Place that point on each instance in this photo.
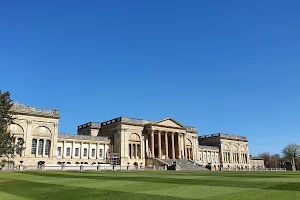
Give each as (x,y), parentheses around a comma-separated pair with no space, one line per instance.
(170,122)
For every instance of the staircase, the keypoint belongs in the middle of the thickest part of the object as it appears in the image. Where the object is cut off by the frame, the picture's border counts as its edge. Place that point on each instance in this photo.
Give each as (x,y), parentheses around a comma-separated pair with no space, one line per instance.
(182,163)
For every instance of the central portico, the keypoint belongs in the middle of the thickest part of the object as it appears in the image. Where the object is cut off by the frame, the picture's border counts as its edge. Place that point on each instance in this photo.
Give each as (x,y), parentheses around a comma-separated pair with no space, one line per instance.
(138,140)
(167,139)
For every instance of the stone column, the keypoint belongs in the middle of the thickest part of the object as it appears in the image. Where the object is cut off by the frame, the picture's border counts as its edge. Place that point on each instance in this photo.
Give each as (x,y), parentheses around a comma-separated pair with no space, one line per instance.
(222,155)
(73,150)
(179,146)
(147,146)
(44,148)
(63,150)
(196,147)
(81,150)
(152,145)
(239,153)
(131,155)
(104,151)
(185,150)
(136,153)
(182,146)
(230,154)
(97,151)
(166,145)
(90,151)
(173,147)
(248,156)
(142,147)
(159,144)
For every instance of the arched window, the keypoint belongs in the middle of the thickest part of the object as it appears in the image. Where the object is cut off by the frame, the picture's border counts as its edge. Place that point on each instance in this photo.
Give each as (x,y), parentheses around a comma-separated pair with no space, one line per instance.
(134,146)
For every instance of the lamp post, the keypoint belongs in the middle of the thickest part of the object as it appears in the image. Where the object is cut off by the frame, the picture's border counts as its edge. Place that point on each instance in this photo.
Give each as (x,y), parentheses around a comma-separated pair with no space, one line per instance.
(63,166)
(21,166)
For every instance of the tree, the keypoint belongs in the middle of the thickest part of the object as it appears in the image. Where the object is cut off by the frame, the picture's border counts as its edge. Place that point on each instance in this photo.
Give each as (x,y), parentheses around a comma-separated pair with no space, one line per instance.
(8,147)
(291,151)
(267,159)
(274,160)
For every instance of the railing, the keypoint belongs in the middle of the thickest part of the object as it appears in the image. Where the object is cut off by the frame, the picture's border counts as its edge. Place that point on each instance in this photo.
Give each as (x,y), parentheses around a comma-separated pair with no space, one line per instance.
(254,169)
(83,168)
(135,121)
(20,108)
(82,137)
(190,128)
(229,136)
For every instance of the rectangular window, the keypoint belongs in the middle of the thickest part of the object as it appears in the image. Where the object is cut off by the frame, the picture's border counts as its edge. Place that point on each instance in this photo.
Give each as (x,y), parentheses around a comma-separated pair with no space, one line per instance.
(33,146)
(58,151)
(93,153)
(47,147)
(100,153)
(68,153)
(85,152)
(77,152)
(41,147)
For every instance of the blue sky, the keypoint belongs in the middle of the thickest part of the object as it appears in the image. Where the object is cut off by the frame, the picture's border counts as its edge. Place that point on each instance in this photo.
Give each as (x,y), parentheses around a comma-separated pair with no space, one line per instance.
(222,66)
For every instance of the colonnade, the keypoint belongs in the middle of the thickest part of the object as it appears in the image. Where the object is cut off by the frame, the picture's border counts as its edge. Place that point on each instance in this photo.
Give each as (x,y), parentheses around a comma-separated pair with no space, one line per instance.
(82,150)
(169,145)
(135,150)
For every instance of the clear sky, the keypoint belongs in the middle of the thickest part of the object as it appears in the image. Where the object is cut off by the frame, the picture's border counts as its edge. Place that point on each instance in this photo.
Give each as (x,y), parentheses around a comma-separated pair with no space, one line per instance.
(222,66)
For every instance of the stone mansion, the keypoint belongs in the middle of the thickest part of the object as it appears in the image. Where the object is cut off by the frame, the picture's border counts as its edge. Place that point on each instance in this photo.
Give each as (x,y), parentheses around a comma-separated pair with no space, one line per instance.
(124,141)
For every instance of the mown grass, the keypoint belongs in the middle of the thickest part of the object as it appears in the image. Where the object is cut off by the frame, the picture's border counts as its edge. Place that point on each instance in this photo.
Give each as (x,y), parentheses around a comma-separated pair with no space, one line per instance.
(149,185)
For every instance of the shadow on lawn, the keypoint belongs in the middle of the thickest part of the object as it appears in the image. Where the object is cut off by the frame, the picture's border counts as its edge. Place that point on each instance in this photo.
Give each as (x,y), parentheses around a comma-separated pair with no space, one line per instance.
(230,182)
(38,191)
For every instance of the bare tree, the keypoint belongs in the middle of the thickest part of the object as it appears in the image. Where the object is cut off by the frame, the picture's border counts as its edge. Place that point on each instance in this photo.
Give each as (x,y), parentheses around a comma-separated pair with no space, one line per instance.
(291,151)
(267,159)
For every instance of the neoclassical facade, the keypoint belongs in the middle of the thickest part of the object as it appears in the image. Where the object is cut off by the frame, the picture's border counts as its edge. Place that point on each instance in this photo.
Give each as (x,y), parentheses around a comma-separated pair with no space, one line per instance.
(124,141)
(233,150)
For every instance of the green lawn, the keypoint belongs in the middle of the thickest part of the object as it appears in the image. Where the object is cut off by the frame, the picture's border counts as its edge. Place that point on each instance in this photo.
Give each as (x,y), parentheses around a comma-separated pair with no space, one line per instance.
(150,185)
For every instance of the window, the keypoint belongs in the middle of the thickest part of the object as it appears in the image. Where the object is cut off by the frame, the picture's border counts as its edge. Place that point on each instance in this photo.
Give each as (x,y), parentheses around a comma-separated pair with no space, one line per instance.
(33,146)
(68,153)
(47,147)
(18,150)
(85,152)
(93,153)
(76,151)
(41,147)
(59,151)
(226,157)
(100,153)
